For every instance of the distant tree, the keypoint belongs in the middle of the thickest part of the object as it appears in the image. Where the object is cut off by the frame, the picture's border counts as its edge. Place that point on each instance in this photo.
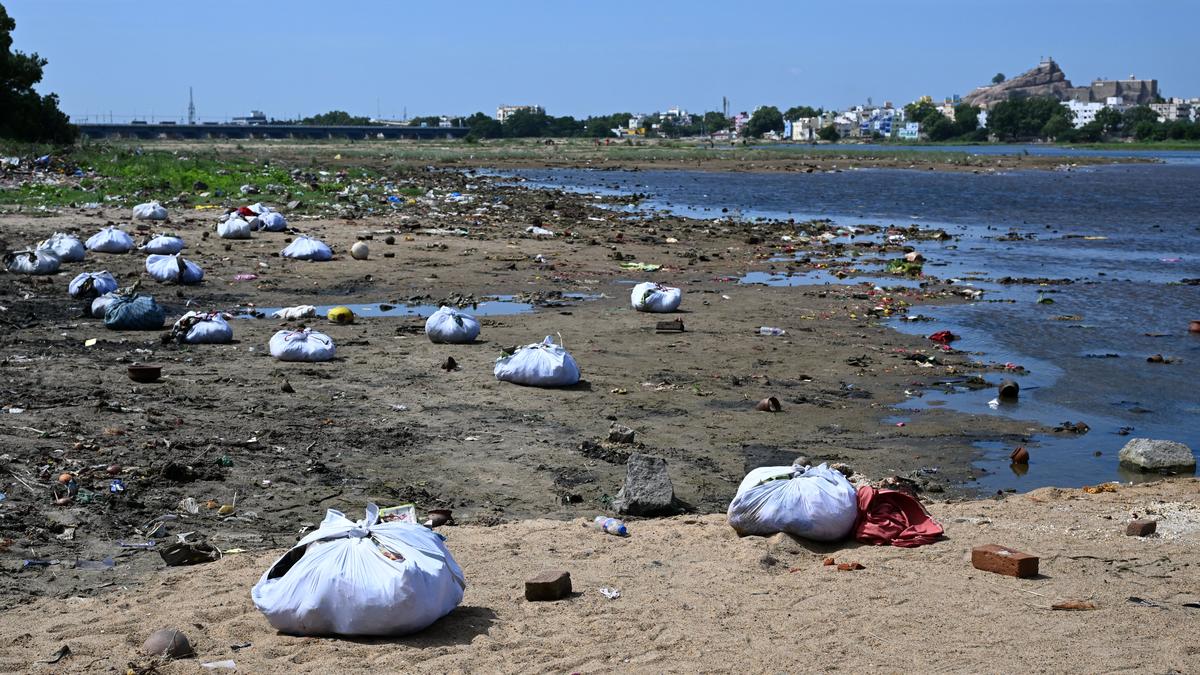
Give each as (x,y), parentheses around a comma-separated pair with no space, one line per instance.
(1056,126)
(920,111)
(563,127)
(1092,132)
(829,133)
(966,118)
(483,126)
(1110,121)
(26,115)
(335,118)
(1137,115)
(1025,118)
(998,78)
(800,112)
(525,124)
(764,120)
(602,126)
(715,121)
(940,128)
(427,120)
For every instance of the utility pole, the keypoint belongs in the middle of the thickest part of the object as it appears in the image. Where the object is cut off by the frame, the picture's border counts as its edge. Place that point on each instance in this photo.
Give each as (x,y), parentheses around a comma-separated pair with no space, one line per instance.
(191,108)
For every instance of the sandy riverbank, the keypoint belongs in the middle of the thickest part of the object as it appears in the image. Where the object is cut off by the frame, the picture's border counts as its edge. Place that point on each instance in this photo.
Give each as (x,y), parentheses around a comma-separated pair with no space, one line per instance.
(695,598)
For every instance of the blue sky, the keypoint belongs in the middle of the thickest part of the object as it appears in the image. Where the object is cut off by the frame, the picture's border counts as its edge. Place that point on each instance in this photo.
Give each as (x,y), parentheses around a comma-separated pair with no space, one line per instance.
(300,57)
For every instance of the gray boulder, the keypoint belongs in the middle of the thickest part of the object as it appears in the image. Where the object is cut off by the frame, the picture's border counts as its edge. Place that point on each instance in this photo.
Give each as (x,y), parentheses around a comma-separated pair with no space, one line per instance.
(1146,454)
(647,490)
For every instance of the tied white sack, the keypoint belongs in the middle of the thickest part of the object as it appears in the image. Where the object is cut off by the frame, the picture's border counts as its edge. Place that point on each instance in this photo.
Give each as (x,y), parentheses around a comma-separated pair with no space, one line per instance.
(272,221)
(651,297)
(65,246)
(149,211)
(302,345)
(337,581)
(234,228)
(32,262)
(451,326)
(202,328)
(816,503)
(110,240)
(297,312)
(163,244)
(541,364)
(538,232)
(92,284)
(307,248)
(173,268)
(100,305)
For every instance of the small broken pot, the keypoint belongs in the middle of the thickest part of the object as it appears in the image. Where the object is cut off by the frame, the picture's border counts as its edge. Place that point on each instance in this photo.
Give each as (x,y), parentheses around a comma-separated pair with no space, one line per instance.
(439,517)
(168,642)
(769,404)
(139,372)
(1009,390)
(1019,456)
(188,553)
(1194,326)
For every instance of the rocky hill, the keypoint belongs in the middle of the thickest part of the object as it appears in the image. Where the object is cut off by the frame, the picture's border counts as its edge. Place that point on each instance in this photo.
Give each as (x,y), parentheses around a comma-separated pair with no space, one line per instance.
(1047,79)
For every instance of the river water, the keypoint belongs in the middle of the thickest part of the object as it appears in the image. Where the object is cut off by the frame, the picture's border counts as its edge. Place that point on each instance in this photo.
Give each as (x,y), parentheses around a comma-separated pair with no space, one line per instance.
(1126,236)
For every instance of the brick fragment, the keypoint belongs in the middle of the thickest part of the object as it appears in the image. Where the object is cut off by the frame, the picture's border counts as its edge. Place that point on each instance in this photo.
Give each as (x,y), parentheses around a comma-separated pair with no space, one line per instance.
(1141,528)
(548,585)
(1001,560)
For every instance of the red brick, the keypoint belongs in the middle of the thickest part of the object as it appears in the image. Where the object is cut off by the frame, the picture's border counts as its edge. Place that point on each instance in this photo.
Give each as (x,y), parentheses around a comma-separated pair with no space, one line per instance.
(548,585)
(1141,528)
(1001,560)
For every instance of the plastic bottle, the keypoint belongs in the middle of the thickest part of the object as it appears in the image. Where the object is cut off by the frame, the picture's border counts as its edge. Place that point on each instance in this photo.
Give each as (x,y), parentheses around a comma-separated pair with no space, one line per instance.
(611,526)
(771,330)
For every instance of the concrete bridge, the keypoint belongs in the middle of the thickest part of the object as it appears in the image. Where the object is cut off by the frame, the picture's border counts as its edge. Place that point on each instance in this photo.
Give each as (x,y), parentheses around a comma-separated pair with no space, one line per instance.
(247,131)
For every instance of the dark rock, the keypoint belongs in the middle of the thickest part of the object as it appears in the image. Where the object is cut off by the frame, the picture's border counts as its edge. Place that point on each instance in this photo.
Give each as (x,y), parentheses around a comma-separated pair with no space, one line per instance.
(647,490)
(619,433)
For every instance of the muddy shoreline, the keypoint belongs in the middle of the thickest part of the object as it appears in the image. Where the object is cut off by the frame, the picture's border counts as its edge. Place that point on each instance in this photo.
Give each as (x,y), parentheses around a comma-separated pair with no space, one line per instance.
(384,423)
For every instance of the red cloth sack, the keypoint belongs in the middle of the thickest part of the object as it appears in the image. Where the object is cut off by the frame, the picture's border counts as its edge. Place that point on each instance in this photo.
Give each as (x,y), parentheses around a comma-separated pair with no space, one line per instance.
(893,517)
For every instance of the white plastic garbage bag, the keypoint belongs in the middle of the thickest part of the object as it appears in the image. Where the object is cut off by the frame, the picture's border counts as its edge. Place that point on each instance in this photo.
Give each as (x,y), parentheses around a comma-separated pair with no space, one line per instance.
(198,328)
(32,262)
(302,345)
(651,297)
(272,221)
(541,364)
(307,248)
(452,326)
(163,244)
(234,228)
(297,312)
(149,211)
(100,305)
(174,269)
(538,232)
(110,240)
(65,246)
(92,284)
(364,578)
(816,503)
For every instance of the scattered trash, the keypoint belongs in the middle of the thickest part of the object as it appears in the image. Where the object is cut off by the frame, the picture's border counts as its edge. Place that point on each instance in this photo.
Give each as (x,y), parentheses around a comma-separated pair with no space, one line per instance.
(652,297)
(641,266)
(302,345)
(227,664)
(850,566)
(543,364)
(340,314)
(62,653)
(1142,601)
(943,337)
(182,553)
(771,330)
(452,326)
(610,593)
(1073,427)
(610,526)
(360,250)
(1009,390)
(1074,605)
(816,503)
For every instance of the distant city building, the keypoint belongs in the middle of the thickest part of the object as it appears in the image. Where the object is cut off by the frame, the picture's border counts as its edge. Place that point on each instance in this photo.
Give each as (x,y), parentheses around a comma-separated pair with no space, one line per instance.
(739,121)
(1177,109)
(255,117)
(1084,112)
(947,110)
(911,131)
(503,112)
(804,129)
